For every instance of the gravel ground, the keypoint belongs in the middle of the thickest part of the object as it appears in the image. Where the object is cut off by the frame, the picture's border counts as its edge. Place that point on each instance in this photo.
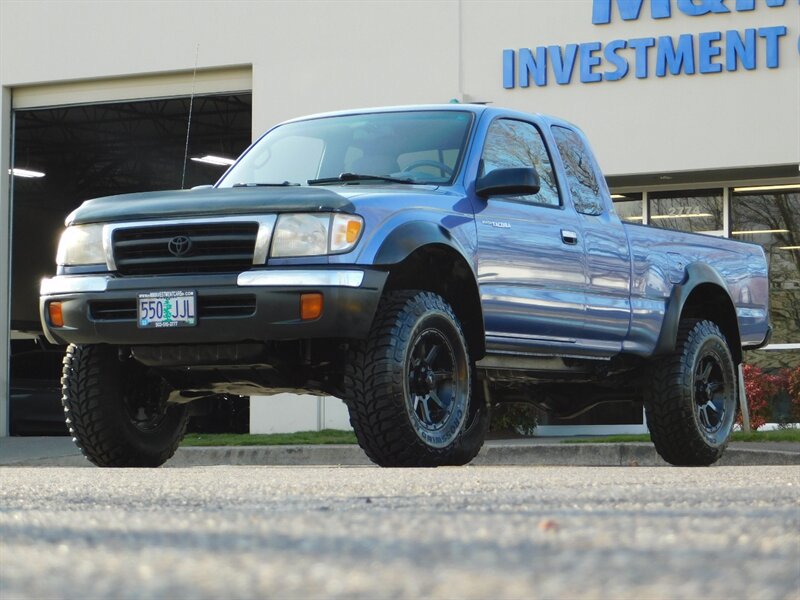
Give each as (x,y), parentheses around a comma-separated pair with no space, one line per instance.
(473,532)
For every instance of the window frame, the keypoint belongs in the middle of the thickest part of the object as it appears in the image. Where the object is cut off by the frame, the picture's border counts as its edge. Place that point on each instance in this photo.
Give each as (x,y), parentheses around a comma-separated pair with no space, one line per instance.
(522,199)
(595,168)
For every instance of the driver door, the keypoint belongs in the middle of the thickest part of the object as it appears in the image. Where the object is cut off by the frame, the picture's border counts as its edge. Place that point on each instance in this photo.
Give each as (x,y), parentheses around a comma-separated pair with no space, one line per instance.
(531,266)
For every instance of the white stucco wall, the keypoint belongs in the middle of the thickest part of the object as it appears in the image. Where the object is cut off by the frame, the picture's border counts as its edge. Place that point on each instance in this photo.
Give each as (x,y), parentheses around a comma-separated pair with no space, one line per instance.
(288,412)
(5,249)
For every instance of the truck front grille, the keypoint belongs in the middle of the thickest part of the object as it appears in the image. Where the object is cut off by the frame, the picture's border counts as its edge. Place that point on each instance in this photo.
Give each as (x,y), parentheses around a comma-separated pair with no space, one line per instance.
(185,248)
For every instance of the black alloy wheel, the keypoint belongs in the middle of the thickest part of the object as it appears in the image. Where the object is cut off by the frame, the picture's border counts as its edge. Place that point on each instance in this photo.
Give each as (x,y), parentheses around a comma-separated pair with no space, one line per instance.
(438,386)
(409,386)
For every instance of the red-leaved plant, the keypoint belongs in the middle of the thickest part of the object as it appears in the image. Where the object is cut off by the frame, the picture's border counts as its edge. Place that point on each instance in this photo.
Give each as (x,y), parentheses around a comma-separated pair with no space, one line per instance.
(760,387)
(793,387)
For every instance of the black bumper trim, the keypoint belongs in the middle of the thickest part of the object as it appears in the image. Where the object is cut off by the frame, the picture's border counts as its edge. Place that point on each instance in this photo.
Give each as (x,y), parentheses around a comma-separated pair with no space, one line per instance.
(348,312)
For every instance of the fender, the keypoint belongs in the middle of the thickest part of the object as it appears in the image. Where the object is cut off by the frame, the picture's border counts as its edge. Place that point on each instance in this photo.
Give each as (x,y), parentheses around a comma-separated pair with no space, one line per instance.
(410,236)
(696,274)
(464,297)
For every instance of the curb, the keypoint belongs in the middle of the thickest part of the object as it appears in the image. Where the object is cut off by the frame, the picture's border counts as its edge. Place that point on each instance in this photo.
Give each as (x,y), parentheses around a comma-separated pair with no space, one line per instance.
(556,455)
(561,455)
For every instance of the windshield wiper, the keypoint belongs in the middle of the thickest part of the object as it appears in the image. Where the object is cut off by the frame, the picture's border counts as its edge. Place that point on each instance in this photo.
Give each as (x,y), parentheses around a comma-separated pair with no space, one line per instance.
(358,177)
(281,184)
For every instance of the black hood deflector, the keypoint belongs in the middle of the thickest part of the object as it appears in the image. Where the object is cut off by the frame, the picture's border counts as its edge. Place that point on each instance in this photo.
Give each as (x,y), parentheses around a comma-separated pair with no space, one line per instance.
(208,202)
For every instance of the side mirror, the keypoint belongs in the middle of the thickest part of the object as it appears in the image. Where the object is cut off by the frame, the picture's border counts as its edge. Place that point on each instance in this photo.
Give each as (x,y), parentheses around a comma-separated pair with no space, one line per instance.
(519,181)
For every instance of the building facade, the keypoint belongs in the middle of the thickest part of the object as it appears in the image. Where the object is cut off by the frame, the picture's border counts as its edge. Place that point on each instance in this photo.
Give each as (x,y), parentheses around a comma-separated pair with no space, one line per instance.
(692,106)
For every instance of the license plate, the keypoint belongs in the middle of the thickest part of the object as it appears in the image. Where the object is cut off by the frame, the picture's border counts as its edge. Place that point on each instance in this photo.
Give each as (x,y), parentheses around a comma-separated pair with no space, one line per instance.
(167,309)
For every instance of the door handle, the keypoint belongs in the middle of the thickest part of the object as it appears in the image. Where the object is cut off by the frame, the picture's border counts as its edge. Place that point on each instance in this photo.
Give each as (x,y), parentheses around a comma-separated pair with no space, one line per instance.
(569,237)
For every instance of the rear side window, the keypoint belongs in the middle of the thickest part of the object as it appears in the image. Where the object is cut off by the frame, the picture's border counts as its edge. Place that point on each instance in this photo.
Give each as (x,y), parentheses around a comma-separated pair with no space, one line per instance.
(579,165)
(511,144)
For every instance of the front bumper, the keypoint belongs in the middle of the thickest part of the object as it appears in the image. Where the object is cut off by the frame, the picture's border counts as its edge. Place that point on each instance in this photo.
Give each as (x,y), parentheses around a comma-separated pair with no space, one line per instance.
(257,305)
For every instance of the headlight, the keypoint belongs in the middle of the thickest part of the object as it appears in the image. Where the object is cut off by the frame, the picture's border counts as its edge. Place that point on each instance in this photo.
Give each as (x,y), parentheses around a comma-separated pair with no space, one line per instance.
(315,234)
(81,245)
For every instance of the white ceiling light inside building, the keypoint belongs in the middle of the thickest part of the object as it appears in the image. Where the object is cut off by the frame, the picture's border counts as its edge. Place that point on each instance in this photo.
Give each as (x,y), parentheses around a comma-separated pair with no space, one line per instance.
(27,173)
(215,160)
(686,216)
(754,231)
(768,188)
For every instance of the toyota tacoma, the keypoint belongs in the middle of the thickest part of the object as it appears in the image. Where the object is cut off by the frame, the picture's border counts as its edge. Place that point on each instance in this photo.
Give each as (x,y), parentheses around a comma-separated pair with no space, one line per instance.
(421,263)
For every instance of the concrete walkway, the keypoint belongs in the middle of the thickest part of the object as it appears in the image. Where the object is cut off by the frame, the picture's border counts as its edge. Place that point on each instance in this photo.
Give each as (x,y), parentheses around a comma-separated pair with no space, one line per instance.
(549,451)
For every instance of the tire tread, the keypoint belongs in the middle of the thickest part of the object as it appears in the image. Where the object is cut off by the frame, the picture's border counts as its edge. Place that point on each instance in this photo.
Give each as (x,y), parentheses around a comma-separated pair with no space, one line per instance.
(670,414)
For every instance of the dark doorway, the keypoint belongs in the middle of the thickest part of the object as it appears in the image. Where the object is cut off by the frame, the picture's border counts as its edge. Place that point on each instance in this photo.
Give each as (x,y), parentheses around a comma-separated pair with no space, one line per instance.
(96,150)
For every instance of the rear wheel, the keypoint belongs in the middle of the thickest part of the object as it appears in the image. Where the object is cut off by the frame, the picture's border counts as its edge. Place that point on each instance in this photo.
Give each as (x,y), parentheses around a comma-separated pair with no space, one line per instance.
(117,410)
(409,386)
(691,397)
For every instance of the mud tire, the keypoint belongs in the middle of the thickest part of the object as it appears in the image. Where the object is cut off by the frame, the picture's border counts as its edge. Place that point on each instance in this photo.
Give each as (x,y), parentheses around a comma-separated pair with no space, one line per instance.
(386,384)
(691,397)
(103,397)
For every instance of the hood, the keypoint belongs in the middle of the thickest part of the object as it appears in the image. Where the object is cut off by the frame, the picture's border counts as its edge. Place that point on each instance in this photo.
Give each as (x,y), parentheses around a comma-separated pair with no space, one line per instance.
(208,201)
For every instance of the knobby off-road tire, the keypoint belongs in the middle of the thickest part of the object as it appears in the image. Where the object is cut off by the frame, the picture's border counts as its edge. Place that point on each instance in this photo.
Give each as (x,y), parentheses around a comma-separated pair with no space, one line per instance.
(116,411)
(691,397)
(409,386)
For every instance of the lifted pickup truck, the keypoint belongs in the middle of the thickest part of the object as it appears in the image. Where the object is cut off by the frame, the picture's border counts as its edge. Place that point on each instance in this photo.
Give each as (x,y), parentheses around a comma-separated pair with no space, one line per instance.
(421,263)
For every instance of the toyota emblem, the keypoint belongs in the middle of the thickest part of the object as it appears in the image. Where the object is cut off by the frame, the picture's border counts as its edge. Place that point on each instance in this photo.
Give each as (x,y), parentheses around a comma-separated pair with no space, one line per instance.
(179,245)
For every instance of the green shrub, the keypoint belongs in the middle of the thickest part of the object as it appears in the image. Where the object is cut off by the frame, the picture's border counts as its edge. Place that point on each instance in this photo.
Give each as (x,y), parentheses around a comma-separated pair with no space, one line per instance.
(514,417)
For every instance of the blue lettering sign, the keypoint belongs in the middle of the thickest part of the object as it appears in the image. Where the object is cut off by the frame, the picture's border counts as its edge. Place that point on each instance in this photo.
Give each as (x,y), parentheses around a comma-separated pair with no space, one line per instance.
(641,45)
(707,52)
(615,59)
(738,50)
(508,69)
(772,35)
(696,8)
(563,65)
(630,10)
(742,5)
(675,59)
(589,61)
(537,66)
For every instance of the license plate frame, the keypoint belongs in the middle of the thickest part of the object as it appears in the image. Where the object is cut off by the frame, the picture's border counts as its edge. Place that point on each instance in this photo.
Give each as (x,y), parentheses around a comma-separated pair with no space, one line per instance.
(166,309)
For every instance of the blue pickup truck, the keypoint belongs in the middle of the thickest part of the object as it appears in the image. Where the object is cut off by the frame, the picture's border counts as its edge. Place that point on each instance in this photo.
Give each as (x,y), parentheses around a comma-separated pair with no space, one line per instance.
(424,264)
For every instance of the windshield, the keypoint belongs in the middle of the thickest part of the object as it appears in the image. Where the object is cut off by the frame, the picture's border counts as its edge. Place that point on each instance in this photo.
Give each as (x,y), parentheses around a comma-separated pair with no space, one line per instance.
(405,147)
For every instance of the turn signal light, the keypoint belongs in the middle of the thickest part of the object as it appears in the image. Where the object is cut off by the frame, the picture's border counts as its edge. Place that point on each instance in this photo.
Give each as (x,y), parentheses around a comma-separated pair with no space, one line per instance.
(311,306)
(56,314)
(353,229)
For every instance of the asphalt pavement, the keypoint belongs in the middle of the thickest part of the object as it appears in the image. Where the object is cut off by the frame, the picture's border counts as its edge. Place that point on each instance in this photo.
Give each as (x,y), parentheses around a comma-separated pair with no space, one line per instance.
(361,532)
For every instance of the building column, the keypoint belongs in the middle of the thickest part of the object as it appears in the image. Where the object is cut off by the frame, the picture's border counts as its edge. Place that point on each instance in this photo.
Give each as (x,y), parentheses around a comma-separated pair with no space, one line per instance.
(5,255)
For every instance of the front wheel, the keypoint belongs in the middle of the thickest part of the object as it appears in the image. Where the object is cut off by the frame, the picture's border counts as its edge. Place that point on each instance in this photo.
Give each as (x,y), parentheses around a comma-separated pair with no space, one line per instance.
(691,397)
(409,386)
(117,410)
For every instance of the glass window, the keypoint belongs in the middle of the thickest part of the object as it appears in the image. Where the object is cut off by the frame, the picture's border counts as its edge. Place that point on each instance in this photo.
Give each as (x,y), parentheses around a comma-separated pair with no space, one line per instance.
(512,144)
(283,163)
(629,207)
(772,220)
(417,146)
(580,168)
(698,211)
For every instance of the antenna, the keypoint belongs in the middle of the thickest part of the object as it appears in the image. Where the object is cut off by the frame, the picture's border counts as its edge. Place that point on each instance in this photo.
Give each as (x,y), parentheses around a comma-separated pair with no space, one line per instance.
(189,124)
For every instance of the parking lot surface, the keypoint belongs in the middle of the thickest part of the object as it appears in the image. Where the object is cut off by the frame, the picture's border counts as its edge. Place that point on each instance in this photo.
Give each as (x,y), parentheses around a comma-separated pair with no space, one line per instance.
(363,532)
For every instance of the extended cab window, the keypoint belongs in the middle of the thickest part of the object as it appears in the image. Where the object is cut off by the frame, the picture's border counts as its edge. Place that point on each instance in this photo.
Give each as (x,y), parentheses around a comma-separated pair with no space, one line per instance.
(511,144)
(579,165)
